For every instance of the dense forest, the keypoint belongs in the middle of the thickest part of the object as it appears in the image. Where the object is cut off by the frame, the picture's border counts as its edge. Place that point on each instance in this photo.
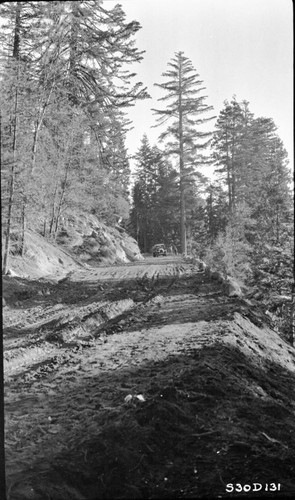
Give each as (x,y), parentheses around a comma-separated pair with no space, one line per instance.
(65,88)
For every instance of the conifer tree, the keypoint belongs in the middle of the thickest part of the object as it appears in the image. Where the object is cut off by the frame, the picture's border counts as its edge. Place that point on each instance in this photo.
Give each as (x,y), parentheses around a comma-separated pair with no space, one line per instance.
(10,127)
(253,164)
(268,191)
(257,243)
(143,194)
(227,142)
(155,194)
(185,111)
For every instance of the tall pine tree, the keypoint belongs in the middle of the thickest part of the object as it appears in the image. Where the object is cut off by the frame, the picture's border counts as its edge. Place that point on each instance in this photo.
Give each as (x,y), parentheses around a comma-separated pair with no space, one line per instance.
(185,108)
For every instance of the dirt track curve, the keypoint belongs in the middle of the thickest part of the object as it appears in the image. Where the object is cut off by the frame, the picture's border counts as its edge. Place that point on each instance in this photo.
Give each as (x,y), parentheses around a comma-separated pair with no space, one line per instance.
(143,381)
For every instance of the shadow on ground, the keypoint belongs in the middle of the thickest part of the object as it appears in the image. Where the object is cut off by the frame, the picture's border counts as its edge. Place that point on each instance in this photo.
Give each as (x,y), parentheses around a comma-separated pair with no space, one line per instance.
(209,418)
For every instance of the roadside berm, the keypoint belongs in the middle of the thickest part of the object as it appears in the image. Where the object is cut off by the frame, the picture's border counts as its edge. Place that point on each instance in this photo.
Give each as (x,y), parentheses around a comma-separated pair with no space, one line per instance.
(144,380)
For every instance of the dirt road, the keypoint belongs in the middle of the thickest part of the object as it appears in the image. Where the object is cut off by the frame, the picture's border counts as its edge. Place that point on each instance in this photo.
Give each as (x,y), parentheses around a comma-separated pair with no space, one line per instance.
(143,381)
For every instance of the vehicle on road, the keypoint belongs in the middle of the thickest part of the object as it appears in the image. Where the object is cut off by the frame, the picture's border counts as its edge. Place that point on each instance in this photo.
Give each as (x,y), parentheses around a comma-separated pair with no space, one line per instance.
(159,250)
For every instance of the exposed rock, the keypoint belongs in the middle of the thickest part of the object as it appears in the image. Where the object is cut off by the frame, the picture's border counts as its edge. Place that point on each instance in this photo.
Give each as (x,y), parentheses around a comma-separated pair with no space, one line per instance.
(232,288)
(82,240)
(94,242)
(197,262)
(10,272)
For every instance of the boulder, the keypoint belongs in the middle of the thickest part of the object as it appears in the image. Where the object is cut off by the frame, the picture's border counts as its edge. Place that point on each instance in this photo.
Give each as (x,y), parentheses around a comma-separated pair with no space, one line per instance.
(232,288)
(196,262)
(10,272)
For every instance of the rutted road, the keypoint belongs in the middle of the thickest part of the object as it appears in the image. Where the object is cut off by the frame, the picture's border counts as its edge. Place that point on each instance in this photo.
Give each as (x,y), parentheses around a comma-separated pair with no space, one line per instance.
(76,306)
(150,267)
(75,351)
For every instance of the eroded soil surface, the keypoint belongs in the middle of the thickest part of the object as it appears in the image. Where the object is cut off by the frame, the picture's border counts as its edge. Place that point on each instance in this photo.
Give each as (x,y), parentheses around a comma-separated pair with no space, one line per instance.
(143,381)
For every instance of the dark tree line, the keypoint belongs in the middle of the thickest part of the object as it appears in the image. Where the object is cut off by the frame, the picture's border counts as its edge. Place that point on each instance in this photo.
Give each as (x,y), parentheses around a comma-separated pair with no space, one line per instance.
(154,216)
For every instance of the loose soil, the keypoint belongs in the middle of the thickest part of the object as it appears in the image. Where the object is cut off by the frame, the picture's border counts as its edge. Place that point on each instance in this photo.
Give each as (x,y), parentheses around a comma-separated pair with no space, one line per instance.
(143,381)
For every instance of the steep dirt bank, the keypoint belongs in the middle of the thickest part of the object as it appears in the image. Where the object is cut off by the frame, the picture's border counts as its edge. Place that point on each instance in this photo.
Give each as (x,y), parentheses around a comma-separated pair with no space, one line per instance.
(81,241)
(144,381)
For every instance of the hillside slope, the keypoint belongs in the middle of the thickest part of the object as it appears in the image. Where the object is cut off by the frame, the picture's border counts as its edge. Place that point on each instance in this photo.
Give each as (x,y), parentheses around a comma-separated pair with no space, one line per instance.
(81,241)
(145,380)
(95,243)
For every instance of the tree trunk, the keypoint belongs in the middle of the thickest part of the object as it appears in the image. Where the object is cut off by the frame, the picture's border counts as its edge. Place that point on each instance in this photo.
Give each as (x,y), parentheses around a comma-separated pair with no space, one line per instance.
(137,229)
(229,183)
(145,235)
(16,39)
(52,222)
(210,215)
(182,219)
(53,211)
(277,225)
(37,130)
(12,182)
(8,224)
(73,45)
(44,228)
(58,212)
(15,56)
(233,169)
(23,226)
(292,315)
(181,169)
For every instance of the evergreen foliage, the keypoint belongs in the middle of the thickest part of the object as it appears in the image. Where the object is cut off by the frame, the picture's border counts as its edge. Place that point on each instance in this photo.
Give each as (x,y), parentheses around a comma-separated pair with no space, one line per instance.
(255,245)
(155,195)
(185,110)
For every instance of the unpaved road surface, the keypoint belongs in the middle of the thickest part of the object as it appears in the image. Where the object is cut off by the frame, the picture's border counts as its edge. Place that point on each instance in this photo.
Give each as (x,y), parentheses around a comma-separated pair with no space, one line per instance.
(143,381)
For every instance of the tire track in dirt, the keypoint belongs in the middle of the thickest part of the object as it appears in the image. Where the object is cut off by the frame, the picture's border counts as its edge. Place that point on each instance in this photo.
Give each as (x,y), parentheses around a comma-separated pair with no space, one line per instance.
(176,346)
(26,336)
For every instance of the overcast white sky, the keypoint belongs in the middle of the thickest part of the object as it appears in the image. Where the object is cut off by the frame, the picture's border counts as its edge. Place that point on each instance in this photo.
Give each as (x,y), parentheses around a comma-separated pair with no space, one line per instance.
(241,47)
